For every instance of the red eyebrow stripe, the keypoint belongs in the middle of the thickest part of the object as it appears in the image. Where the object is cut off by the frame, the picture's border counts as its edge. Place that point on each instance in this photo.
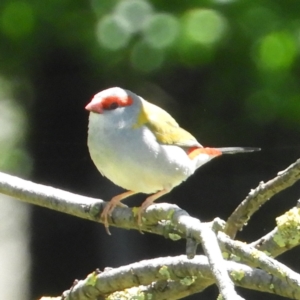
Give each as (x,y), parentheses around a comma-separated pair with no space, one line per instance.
(122,101)
(195,151)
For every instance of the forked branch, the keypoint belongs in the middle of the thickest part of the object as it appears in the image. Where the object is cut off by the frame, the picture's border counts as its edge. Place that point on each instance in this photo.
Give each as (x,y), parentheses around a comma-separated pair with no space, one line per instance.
(174,223)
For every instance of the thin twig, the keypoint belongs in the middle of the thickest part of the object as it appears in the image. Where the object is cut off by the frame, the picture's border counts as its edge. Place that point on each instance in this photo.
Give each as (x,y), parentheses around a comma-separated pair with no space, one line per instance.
(257,197)
(284,236)
(212,251)
(255,258)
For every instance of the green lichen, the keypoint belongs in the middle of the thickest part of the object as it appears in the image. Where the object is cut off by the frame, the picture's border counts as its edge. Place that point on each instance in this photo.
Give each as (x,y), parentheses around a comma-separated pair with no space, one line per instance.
(288,226)
(174,236)
(255,254)
(267,252)
(225,255)
(170,214)
(279,239)
(134,293)
(164,272)
(91,279)
(188,280)
(237,275)
(235,258)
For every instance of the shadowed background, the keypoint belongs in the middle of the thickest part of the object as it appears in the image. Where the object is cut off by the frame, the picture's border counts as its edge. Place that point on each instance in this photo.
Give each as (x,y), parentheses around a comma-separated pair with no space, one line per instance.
(227,70)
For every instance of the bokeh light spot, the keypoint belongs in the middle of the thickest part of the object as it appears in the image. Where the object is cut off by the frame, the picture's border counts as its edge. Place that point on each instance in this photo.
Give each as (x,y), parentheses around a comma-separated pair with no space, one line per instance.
(17,19)
(134,12)
(13,131)
(161,30)
(277,51)
(145,58)
(205,26)
(112,33)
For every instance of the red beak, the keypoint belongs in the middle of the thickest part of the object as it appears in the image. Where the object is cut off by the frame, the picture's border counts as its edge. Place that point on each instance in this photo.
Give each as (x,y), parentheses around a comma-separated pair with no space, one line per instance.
(95,106)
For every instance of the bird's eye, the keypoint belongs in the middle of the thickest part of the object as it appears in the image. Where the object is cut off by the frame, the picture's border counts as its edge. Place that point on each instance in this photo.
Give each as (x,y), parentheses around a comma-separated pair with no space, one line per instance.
(113,105)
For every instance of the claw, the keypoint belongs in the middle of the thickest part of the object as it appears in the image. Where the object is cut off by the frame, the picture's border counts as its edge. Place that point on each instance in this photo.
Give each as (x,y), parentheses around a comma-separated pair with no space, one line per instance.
(139,219)
(110,206)
(147,203)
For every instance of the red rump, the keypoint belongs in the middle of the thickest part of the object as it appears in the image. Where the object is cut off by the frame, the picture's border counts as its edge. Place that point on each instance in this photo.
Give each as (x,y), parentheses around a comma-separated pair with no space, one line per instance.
(195,151)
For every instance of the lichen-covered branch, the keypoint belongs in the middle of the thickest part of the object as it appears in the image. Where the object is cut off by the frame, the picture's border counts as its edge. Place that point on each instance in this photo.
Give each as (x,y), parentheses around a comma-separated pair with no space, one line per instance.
(174,223)
(196,231)
(260,195)
(83,207)
(48,197)
(179,276)
(217,264)
(255,258)
(284,236)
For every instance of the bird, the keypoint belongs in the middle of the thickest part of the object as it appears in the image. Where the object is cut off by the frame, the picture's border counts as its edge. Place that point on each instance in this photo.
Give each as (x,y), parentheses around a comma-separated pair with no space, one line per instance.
(141,148)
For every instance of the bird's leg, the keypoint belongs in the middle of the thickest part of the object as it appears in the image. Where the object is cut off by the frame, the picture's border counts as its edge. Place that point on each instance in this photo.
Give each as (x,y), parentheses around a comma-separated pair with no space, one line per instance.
(110,206)
(149,201)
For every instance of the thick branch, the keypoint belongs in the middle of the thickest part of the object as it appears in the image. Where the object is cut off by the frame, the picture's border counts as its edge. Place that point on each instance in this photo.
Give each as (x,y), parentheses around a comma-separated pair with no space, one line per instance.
(81,206)
(166,219)
(178,271)
(49,197)
(201,232)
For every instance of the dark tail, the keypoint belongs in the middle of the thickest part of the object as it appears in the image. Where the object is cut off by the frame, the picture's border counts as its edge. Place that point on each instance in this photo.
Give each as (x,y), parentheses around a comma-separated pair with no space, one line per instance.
(233,150)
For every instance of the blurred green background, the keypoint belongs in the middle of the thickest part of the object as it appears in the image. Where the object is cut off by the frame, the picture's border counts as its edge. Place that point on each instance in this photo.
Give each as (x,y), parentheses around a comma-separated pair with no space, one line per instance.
(227,70)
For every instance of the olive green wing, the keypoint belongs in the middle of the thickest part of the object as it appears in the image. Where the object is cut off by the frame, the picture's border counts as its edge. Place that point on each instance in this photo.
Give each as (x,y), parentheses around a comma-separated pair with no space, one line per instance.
(164,127)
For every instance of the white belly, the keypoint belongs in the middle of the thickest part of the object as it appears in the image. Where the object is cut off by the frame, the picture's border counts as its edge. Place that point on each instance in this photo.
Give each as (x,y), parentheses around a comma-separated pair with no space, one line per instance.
(132,159)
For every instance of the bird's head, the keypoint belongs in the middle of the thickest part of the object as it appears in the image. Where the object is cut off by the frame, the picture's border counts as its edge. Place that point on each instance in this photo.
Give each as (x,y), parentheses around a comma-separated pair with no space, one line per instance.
(112,99)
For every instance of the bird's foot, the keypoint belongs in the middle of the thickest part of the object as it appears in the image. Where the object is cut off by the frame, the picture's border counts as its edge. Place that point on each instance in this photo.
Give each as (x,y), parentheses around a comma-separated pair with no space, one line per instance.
(140,212)
(148,202)
(110,206)
(140,221)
